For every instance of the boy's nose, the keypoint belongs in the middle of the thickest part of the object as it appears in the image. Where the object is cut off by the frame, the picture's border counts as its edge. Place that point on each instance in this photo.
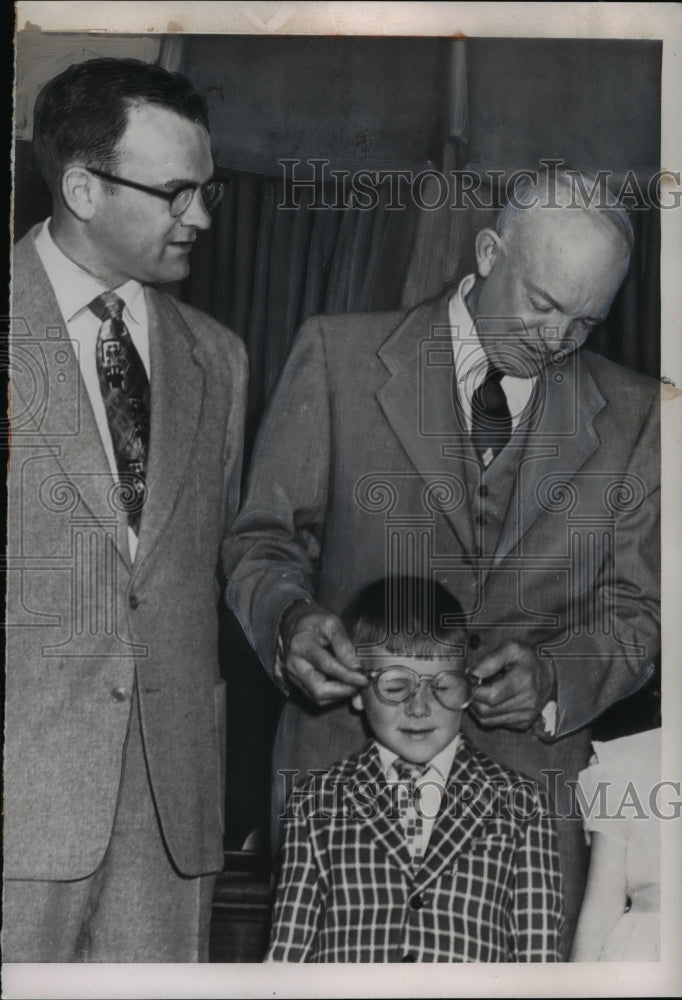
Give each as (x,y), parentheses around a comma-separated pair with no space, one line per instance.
(419,703)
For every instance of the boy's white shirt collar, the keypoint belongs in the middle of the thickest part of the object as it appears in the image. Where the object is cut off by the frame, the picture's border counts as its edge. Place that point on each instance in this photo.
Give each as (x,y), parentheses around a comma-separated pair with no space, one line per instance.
(441,763)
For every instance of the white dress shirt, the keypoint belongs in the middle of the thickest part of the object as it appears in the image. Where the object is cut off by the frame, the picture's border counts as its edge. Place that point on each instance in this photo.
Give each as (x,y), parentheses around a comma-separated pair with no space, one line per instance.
(471,362)
(74,289)
(431,784)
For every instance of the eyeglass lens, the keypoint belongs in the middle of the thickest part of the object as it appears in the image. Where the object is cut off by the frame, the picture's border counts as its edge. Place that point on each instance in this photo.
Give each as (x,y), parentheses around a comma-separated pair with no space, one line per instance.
(211,193)
(453,690)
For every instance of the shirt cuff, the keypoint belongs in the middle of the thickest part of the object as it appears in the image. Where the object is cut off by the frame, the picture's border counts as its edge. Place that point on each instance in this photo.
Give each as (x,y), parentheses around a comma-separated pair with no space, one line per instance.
(547,722)
(549,717)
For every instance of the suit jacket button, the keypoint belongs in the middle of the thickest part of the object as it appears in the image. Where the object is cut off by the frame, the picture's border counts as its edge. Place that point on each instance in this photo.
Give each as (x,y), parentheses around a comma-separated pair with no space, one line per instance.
(408,958)
(134,601)
(474,641)
(417,902)
(119,694)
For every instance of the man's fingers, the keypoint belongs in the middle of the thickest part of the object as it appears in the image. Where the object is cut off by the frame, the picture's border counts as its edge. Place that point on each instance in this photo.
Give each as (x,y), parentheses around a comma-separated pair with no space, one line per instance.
(315,684)
(511,717)
(513,699)
(310,647)
(321,638)
(503,707)
(493,694)
(344,651)
(493,663)
(508,656)
(512,720)
(508,689)
(319,658)
(502,704)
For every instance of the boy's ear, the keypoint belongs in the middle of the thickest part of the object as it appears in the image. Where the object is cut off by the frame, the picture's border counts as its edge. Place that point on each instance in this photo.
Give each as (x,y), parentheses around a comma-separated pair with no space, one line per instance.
(356,702)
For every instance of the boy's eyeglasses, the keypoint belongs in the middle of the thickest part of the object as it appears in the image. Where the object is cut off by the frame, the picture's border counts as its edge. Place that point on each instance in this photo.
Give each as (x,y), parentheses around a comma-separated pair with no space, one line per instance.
(179,200)
(452,689)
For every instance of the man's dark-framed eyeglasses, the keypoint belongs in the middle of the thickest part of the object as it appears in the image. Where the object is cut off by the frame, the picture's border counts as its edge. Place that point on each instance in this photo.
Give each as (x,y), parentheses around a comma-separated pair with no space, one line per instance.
(452,689)
(179,200)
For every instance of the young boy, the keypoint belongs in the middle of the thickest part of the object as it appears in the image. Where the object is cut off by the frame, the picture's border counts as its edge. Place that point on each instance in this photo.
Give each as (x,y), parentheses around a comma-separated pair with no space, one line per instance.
(454,863)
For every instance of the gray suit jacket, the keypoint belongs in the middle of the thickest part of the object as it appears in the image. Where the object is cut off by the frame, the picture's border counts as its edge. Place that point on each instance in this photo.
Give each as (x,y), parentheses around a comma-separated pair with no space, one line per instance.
(84,623)
(360,455)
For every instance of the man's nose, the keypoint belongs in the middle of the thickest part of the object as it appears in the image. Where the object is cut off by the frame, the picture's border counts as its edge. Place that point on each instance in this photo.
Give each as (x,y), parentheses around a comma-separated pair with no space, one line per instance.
(555,331)
(419,704)
(195,214)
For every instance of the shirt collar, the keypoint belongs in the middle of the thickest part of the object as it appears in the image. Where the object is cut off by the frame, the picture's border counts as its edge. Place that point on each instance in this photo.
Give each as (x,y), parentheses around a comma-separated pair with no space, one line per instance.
(441,763)
(469,357)
(75,288)
(471,362)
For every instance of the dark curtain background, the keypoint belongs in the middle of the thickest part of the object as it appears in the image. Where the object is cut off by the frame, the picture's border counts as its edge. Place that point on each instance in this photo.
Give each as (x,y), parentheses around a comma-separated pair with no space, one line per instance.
(262,269)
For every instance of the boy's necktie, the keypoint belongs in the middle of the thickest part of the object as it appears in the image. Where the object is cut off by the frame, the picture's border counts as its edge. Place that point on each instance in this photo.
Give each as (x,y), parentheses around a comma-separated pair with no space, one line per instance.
(126,394)
(491,423)
(411,818)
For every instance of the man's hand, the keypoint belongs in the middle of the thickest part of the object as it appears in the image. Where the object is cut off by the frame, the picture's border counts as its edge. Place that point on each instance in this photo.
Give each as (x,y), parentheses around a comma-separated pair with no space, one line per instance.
(317,655)
(518,686)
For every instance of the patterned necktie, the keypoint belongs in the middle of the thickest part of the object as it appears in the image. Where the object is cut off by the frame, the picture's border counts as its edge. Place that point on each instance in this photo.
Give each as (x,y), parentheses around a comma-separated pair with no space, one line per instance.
(125,390)
(411,818)
(491,424)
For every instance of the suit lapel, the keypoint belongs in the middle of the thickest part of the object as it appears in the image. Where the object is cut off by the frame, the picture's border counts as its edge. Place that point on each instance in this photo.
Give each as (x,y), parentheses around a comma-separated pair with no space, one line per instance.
(417,402)
(468,789)
(177,395)
(382,820)
(561,443)
(50,399)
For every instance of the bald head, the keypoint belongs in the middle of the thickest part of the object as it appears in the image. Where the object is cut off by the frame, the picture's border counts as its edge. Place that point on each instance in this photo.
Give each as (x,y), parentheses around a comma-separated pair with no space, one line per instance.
(570,190)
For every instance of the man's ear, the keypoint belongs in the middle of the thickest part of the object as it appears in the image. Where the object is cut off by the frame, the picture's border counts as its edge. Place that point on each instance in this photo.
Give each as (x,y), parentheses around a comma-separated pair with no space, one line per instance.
(79,192)
(356,702)
(487,249)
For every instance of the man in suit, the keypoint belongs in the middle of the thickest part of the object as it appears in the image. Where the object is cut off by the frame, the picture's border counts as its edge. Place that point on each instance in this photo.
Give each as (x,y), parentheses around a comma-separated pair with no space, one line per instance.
(473,439)
(127,419)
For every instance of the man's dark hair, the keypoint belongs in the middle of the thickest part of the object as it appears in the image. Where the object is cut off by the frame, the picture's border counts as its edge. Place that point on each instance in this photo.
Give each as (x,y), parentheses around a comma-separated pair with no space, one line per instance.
(81,114)
(408,615)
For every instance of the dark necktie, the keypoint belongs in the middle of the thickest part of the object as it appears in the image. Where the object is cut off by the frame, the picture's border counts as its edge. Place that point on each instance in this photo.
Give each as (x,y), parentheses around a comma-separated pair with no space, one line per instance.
(490,417)
(125,390)
(411,818)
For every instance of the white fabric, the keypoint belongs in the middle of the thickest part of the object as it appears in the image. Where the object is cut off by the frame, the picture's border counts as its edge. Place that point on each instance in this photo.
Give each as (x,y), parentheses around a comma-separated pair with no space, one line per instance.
(74,289)
(629,769)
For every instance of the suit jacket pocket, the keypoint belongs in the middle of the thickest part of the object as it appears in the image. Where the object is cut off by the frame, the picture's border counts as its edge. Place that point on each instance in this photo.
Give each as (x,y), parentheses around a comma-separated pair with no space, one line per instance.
(492,844)
(487,862)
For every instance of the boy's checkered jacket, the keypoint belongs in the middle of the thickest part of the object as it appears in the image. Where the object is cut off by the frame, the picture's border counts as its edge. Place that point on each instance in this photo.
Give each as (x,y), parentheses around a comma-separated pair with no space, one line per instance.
(488,890)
